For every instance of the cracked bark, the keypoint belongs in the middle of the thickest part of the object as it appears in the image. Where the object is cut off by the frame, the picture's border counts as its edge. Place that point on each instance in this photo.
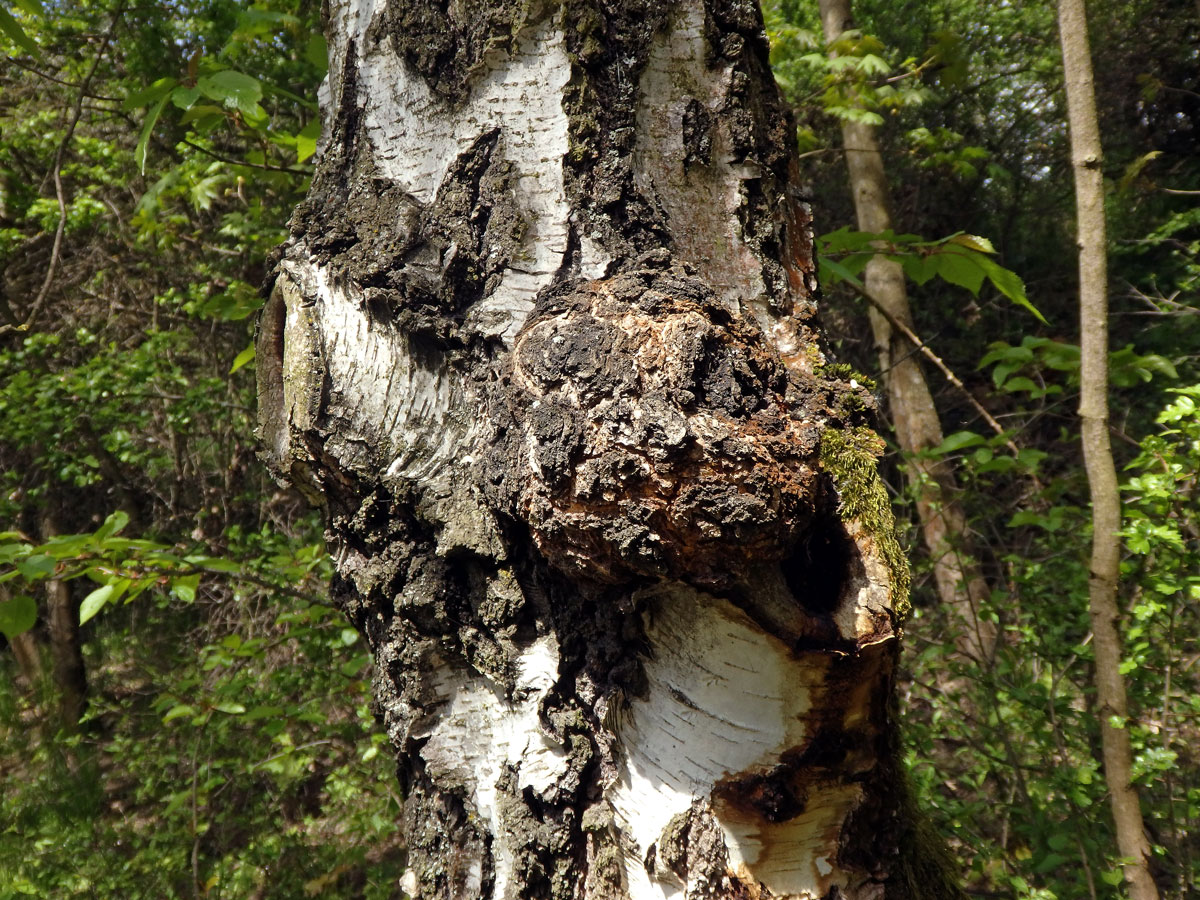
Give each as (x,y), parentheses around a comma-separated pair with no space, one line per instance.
(542,345)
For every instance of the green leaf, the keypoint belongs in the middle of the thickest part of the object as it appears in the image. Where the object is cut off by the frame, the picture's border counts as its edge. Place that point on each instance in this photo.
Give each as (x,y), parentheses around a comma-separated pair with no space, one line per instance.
(264,712)
(139,153)
(1020,383)
(15,33)
(148,95)
(17,615)
(179,711)
(114,524)
(184,587)
(306,140)
(201,112)
(958,441)
(973,242)
(1134,169)
(233,709)
(918,267)
(1058,841)
(1112,877)
(961,268)
(36,567)
(95,601)
(214,563)
(185,97)
(1001,351)
(1008,283)
(242,358)
(870,64)
(235,89)
(831,271)
(317,53)
(1049,862)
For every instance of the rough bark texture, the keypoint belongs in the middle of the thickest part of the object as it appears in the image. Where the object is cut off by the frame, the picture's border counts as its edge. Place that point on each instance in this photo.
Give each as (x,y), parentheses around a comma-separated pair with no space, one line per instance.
(542,345)
(1111,703)
(961,586)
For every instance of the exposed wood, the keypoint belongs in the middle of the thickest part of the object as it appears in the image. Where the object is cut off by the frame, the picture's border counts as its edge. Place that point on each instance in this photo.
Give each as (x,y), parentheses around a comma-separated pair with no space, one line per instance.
(1112,707)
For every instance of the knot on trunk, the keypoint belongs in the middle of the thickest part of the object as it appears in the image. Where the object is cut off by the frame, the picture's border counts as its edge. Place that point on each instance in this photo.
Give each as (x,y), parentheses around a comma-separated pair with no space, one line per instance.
(642,429)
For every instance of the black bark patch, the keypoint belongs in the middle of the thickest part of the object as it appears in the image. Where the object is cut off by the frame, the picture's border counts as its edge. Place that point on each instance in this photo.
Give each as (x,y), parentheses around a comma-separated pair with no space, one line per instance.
(692,849)
(775,796)
(447,41)
(420,266)
(609,45)
(697,133)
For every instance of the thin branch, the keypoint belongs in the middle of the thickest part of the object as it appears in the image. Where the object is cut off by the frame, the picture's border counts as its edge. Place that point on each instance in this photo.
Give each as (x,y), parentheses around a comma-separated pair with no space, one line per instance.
(937,361)
(237,162)
(40,74)
(59,191)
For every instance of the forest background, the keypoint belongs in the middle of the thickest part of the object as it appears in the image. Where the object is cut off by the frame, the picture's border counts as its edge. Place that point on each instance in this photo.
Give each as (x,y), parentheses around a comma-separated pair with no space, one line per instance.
(181,712)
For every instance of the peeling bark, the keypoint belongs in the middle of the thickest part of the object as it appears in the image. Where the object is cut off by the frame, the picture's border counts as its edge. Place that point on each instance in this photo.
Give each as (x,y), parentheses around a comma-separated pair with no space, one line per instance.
(542,345)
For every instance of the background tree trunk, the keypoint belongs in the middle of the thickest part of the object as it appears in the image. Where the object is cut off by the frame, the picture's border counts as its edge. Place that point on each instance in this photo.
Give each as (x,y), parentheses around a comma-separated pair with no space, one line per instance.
(26,652)
(1111,704)
(542,345)
(66,649)
(960,584)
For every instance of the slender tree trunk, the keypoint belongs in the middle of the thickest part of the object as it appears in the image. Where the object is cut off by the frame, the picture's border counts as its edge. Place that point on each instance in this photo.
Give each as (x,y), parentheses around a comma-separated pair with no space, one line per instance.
(542,346)
(1097,452)
(66,649)
(961,585)
(29,664)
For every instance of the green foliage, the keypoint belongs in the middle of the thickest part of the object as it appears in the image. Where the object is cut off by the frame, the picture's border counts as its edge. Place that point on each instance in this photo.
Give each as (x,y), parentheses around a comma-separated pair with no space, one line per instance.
(227,746)
(245,763)
(1005,753)
(960,259)
(10,26)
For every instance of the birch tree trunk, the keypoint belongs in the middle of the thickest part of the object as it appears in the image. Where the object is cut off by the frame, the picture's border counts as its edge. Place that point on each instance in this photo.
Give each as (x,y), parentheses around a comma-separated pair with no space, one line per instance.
(961,586)
(542,345)
(1105,570)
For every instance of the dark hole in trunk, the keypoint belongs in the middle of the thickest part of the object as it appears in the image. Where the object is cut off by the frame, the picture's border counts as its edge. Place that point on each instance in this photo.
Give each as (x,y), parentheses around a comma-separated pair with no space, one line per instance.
(818,571)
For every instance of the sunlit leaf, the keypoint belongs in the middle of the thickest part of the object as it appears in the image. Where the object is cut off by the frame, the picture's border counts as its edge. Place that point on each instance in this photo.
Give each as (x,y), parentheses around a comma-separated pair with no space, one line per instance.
(12,29)
(139,153)
(958,268)
(234,89)
(242,359)
(95,601)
